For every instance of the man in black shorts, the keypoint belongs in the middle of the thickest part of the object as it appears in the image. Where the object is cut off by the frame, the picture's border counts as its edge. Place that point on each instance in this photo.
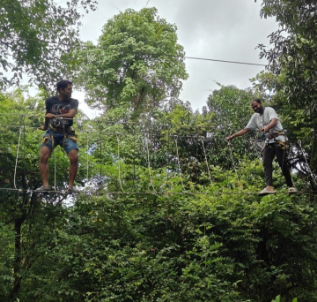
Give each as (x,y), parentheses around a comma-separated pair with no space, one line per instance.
(60,111)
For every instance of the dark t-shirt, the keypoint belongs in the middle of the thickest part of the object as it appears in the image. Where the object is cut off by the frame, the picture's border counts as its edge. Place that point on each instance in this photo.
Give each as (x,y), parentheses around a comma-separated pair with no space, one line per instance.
(55,106)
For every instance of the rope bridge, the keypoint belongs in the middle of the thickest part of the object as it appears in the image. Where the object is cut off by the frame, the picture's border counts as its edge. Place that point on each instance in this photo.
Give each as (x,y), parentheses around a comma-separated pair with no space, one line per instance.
(146,138)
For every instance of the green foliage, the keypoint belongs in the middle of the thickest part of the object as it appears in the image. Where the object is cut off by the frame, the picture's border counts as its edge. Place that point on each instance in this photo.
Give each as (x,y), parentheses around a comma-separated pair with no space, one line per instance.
(136,64)
(19,149)
(6,251)
(162,216)
(300,125)
(293,49)
(293,57)
(215,242)
(35,38)
(230,109)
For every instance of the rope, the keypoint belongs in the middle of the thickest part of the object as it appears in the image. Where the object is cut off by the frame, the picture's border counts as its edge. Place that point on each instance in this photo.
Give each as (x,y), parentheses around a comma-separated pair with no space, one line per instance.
(17,157)
(118,140)
(149,164)
(23,152)
(87,163)
(55,172)
(161,192)
(310,171)
(203,144)
(178,161)
(100,149)
(168,152)
(231,154)
(313,143)
(134,149)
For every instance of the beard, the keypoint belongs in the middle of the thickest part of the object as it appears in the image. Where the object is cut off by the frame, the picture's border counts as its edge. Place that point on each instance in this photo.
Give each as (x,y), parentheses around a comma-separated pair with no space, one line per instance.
(260,110)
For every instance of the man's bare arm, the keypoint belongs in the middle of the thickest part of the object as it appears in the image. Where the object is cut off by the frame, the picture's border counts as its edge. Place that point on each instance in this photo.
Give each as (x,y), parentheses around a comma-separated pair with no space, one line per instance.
(45,127)
(272,124)
(70,114)
(239,133)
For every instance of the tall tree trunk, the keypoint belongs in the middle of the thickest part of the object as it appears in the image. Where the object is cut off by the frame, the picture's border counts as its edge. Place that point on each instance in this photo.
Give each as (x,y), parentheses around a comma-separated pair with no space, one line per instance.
(22,208)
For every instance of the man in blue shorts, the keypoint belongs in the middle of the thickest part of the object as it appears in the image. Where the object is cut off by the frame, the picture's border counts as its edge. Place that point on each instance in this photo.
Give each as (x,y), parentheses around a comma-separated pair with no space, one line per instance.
(60,111)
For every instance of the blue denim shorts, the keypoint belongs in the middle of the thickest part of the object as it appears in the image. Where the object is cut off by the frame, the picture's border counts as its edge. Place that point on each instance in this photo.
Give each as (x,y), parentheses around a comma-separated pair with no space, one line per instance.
(52,139)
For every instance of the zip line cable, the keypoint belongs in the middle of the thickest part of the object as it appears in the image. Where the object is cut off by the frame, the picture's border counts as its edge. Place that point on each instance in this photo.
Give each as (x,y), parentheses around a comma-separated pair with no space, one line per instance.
(99,122)
(225,61)
(127,123)
(185,57)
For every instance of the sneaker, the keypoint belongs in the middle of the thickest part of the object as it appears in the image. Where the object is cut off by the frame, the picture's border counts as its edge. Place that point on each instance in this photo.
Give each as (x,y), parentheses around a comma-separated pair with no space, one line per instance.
(42,189)
(292,190)
(73,190)
(266,192)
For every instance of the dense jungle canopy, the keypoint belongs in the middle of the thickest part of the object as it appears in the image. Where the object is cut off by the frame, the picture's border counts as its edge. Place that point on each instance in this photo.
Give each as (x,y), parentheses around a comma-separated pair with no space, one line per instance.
(169,210)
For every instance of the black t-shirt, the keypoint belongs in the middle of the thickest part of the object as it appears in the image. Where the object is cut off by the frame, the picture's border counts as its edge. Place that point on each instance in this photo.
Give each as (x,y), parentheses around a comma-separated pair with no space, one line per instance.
(55,106)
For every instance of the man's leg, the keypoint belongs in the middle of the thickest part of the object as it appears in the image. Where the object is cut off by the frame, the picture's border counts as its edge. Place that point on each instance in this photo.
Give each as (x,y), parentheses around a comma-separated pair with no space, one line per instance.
(44,156)
(268,155)
(281,157)
(73,166)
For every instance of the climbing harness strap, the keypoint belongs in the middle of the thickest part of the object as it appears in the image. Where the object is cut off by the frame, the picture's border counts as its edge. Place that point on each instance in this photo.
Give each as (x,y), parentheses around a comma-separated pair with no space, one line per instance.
(271,145)
(68,133)
(273,136)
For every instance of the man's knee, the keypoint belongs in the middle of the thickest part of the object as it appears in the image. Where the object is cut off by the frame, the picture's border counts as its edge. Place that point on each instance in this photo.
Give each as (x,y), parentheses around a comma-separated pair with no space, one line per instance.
(73,156)
(44,154)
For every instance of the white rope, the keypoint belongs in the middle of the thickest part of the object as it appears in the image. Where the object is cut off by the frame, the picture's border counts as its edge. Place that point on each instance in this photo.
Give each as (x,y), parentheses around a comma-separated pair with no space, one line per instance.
(55,172)
(149,164)
(167,192)
(119,175)
(87,163)
(17,157)
(178,161)
(231,154)
(203,144)
(310,171)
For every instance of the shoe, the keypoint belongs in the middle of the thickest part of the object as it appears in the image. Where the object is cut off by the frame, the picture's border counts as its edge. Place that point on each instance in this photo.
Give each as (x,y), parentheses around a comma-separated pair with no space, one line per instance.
(266,192)
(73,190)
(292,190)
(42,189)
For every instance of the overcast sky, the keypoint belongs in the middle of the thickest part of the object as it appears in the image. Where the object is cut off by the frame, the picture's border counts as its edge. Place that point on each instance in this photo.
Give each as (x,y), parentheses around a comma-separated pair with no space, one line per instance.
(216,29)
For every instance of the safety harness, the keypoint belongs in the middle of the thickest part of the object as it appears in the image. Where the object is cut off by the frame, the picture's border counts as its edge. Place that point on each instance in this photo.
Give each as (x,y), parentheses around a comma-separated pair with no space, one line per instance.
(68,133)
(274,135)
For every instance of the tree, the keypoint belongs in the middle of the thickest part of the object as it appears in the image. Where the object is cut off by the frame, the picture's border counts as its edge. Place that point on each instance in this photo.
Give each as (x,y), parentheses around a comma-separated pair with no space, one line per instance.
(149,233)
(35,38)
(294,50)
(231,111)
(294,69)
(19,118)
(136,64)
(299,126)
